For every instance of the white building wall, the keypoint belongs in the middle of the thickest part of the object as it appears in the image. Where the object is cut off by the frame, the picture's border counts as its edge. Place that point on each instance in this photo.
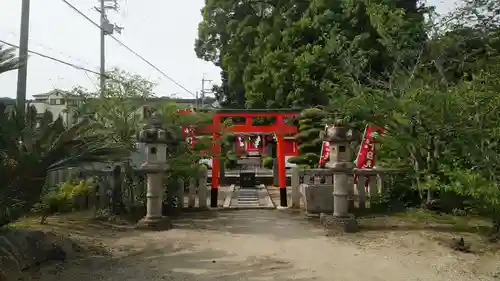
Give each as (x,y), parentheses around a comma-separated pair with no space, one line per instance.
(52,102)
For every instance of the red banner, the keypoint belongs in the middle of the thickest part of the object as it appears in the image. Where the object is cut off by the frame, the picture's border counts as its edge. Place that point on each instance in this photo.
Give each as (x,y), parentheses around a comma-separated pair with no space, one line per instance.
(188,131)
(240,146)
(366,154)
(325,153)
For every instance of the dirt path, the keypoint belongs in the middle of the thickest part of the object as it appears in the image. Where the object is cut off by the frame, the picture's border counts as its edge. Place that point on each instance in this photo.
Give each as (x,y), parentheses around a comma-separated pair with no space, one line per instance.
(269,245)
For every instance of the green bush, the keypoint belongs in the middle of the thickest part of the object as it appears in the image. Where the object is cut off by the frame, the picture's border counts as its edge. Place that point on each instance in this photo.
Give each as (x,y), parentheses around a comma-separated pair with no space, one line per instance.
(312,158)
(231,161)
(267,162)
(299,160)
(63,198)
(310,125)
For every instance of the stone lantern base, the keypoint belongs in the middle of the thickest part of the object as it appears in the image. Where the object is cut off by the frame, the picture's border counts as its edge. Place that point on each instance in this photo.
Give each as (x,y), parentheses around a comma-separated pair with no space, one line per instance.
(155,224)
(346,224)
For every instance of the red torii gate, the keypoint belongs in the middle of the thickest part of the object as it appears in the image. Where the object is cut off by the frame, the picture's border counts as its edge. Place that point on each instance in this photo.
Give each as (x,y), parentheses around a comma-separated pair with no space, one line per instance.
(279,127)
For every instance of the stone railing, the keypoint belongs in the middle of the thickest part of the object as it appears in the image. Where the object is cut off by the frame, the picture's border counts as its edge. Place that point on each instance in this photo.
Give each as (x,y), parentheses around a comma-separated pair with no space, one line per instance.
(312,189)
(195,193)
(370,185)
(190,193)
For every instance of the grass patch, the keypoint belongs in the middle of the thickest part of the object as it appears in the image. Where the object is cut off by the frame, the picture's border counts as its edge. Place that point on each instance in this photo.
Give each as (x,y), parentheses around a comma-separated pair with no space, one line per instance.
(423,219)
(82,227)
(441,227)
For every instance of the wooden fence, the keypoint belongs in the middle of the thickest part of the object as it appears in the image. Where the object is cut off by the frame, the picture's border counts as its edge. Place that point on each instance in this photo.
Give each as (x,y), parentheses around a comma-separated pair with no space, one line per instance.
(112,188)
(322,180)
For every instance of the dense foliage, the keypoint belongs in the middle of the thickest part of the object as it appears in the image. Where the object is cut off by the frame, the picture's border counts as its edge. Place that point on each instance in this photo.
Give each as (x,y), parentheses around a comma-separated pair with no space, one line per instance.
(33,145)
(432,82)
(293,53)
(120,113)
(309,141)
(30,147)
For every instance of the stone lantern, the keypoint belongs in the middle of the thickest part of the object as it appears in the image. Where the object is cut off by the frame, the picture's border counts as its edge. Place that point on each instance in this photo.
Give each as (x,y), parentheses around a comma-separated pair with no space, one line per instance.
(155,165)
(340,162)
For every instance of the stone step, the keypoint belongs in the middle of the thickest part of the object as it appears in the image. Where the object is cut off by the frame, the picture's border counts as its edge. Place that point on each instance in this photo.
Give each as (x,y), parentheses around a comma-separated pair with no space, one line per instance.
(248,205)
(248,202)
(247,198)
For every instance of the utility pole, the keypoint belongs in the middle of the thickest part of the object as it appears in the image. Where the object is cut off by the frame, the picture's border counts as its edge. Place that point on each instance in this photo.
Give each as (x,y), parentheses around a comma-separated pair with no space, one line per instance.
(107,28)
(103,48)
(203,80)
(22,72)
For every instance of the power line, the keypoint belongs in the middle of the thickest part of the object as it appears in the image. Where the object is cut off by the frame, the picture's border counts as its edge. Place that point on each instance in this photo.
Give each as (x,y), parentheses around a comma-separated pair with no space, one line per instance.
(84,69)
(52,58)
(90,79)
(52,49)
(129,49)
(61,53)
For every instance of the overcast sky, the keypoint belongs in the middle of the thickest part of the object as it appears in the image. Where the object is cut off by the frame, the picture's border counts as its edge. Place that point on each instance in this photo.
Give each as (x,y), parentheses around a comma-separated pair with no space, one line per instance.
(163,31)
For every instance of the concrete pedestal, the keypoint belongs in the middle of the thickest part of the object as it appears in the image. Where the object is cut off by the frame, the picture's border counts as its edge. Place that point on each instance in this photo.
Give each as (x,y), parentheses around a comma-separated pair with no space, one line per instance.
(341,188)
(347,224)
(155,224)
(154,219)
(318,198)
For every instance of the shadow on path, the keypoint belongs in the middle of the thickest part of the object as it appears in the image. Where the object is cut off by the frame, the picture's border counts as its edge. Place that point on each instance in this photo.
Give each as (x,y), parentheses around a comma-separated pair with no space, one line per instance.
(265,245)
(267,222)
(185,263)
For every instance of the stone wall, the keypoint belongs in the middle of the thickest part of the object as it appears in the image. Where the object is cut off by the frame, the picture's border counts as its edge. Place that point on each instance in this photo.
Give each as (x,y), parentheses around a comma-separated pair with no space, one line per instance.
(24,249)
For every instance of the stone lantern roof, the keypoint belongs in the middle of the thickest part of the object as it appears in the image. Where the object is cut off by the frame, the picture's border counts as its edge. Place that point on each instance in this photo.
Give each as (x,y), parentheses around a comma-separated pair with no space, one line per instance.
(154,132)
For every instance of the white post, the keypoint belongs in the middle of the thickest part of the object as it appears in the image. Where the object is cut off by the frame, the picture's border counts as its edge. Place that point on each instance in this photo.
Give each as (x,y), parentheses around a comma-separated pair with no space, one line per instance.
(296,188)
(202,188)
(192,192)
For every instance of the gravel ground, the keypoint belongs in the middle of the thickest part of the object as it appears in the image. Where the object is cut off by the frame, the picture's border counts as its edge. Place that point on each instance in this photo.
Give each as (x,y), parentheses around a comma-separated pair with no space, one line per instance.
(271,245)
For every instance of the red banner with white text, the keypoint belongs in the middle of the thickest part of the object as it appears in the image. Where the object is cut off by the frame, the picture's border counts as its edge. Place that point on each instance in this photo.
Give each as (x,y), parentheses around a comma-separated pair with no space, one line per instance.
(188,131)
(366,154)
(325,153)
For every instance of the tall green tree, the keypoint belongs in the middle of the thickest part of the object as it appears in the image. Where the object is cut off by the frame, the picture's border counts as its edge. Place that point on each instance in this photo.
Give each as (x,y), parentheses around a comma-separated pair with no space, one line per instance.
(125,107)
(438,112)
(295,53)
(118,113)
(119,109)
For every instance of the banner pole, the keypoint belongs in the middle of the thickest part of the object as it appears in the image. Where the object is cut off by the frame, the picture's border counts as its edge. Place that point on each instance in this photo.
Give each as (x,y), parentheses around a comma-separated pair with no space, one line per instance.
(360,146)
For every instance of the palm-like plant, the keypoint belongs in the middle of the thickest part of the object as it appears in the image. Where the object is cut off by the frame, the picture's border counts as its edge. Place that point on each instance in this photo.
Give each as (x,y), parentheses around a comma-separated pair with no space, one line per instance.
(31,147)
(8,59)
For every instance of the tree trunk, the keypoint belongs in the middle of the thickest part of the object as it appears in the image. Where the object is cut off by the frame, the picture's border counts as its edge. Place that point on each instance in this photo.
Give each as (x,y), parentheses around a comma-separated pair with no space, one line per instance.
(432,164)
(416,159)
(117,206)
(430,196)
